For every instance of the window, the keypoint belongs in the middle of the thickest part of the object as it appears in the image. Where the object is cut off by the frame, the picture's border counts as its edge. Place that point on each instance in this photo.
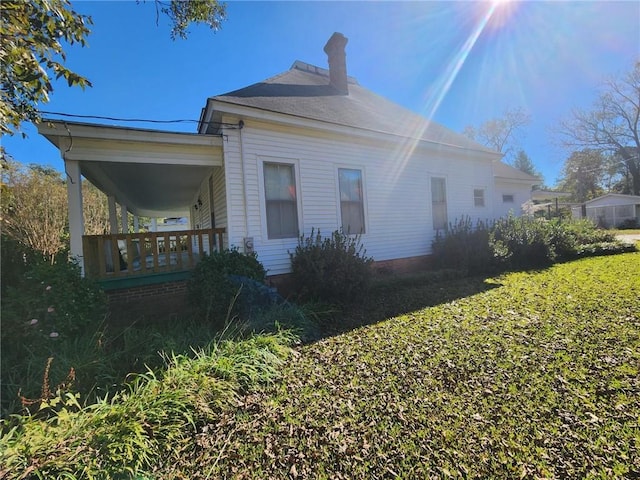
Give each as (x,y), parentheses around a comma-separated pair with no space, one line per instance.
(507,199)
(281,200)
(478,197)
(351,200)
(439,203)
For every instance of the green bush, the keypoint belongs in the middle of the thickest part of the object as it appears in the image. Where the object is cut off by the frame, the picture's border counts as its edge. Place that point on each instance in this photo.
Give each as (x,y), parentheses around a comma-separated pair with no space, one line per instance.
(519,242)
(333,269)
(629,224)
(522,242)
(464,247)
(15,259)
(213,293)
(568,237)
(49,311)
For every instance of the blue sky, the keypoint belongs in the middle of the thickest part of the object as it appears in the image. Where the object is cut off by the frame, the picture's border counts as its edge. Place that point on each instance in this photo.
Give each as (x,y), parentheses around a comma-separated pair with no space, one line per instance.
(441,59)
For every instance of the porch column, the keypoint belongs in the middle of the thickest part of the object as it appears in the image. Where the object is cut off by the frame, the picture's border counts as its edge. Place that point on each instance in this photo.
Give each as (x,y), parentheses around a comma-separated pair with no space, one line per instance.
(125,218)
(154,224)
(76,220)
(136,223)
(113,216)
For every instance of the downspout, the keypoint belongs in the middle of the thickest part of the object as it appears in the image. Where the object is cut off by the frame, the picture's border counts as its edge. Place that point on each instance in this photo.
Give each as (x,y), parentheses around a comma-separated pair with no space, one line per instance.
(244,182)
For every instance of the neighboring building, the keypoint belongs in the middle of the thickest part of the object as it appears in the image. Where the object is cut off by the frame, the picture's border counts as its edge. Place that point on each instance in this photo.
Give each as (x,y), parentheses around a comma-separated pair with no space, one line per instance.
(169,224)
(309,148)
(610,210)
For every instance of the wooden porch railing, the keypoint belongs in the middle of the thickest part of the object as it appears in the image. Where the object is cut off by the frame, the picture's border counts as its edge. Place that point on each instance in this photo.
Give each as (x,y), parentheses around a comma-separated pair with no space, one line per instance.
(130,254)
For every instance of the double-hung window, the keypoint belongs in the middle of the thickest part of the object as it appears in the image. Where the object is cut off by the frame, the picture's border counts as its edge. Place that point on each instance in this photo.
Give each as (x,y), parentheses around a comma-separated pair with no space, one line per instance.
(478,197)
(351,200)
(439,203)
(281,200)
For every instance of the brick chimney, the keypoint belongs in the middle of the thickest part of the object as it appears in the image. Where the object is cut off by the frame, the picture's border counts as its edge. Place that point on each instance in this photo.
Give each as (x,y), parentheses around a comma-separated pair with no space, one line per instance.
(337,62)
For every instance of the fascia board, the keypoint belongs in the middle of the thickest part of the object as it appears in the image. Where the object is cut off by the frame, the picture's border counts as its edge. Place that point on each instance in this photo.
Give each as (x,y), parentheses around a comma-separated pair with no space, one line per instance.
(100,150)
(56,128)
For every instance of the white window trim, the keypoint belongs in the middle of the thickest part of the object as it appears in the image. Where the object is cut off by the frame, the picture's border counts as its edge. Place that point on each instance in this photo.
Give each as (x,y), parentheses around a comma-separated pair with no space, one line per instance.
(484,196)
(362,170)
(263,200)
(430,198)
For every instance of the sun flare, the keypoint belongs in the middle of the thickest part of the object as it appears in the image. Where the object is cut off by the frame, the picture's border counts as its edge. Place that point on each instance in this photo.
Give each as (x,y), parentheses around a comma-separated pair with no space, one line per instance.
(502,12)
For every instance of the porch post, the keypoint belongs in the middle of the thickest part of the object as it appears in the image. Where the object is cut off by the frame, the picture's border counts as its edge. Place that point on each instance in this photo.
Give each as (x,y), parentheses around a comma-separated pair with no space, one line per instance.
(76,220)
(136,223)
(154,224)
(125,218)
(113,216)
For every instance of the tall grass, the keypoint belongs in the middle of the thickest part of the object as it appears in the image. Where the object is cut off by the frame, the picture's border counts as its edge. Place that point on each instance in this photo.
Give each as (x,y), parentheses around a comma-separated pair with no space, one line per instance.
(145,425)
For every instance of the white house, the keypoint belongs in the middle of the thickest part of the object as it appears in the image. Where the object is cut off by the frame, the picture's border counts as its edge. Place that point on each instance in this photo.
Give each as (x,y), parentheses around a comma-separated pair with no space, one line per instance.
(513,189)
(610,210)
(308,148)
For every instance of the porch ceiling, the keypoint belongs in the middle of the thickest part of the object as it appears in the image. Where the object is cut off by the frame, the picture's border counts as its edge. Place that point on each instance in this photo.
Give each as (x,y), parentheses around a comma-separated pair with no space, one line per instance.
(154,190)
(152,172)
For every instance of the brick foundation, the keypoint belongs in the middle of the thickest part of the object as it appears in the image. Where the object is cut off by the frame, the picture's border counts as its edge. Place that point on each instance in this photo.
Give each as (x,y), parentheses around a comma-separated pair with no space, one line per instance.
(158,301)
(398,266)
(161,301)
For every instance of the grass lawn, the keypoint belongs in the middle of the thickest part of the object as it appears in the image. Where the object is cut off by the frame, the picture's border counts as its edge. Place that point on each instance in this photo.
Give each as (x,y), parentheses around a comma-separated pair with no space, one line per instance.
(527,375)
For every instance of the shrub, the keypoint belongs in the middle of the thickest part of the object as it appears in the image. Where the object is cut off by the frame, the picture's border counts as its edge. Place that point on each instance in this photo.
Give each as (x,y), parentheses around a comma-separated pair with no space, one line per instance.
(49,312)
(15,261)
(464,247)
(522,242)
(568,237)
(332,269)
(629,224)
(214,290)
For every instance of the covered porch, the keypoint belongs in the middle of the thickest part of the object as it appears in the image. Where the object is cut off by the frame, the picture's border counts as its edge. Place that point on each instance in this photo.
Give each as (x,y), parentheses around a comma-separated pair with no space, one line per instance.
(146,174)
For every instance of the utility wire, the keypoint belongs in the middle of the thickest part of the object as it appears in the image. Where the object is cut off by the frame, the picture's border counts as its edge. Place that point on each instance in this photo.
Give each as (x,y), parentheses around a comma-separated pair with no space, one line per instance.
(116,119)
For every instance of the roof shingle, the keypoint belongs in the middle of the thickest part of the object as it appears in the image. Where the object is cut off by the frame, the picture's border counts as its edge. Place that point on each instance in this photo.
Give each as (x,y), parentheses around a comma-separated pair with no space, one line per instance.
(304,91)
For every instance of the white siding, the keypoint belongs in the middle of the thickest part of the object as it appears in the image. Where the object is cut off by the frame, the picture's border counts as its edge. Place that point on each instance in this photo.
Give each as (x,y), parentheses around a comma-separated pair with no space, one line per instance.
(521,194)
(201,216)
(396,189)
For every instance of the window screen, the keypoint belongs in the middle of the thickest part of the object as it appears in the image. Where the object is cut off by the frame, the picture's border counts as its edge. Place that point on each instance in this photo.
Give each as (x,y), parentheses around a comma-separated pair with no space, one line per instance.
(281,200)
(439,203)
(351,201)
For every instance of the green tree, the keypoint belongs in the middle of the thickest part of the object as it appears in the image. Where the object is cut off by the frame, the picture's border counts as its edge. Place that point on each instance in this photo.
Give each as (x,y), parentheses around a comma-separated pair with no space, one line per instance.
(182,13)
(611,126)
(95,210)
(584,174)
(33,35)
(502,133)
(26,217)
(524,163)
(42,225)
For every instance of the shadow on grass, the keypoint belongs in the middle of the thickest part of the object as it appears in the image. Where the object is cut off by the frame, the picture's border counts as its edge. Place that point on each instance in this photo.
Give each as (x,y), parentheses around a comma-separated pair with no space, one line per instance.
(397,296)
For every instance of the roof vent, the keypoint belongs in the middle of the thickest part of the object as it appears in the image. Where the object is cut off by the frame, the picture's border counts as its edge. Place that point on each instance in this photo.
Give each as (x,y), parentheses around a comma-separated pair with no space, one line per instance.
(337,62)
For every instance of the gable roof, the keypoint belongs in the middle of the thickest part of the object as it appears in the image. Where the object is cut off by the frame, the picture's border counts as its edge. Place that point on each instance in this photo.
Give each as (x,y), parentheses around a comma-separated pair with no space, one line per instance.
(304,91)
(502,170)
